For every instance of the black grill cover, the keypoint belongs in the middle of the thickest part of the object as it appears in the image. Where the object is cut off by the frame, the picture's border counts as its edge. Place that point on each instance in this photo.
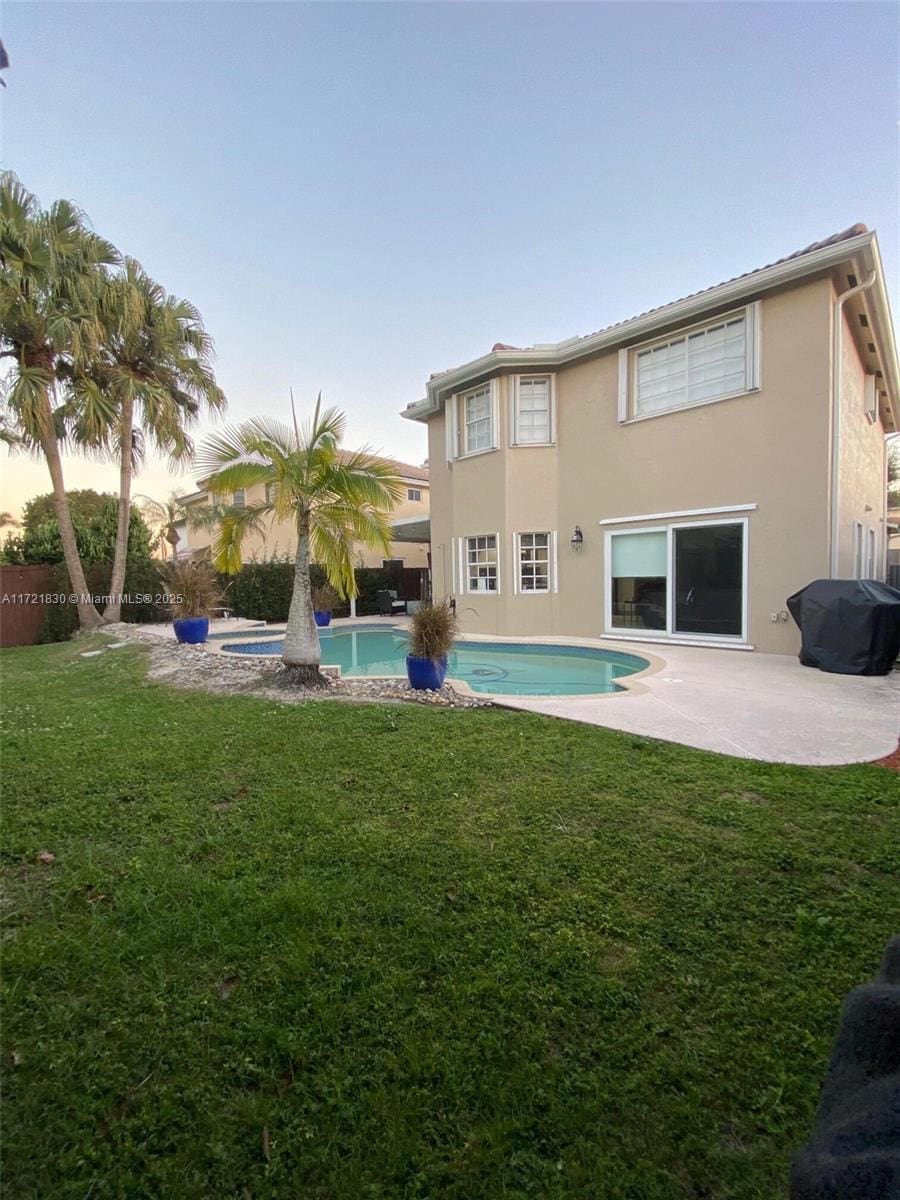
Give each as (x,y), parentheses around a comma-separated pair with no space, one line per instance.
(848,626)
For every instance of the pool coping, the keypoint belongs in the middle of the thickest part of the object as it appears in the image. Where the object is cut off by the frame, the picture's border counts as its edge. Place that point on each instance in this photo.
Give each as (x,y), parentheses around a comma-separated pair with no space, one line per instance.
(626,683)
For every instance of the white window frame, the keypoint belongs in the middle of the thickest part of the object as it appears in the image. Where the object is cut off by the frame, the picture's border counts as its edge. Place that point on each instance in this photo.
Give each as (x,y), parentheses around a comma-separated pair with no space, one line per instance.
(514,383)
(668,634)
(242,492)
(414,494)
(464,564)
(552,585)
(752,364)
(456,422)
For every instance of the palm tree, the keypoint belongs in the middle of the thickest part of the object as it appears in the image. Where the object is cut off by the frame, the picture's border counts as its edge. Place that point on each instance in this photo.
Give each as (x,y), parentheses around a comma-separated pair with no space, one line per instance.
(335,498)
(167,515)
(151,382)
(51,269)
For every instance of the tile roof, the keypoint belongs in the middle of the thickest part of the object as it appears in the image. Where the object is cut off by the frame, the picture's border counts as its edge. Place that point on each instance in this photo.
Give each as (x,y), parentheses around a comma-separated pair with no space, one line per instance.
(851,232)
(406,470)
(845,235)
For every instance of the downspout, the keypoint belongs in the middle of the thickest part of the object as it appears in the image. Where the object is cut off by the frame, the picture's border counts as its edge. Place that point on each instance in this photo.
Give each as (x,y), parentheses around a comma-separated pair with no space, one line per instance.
(836,366)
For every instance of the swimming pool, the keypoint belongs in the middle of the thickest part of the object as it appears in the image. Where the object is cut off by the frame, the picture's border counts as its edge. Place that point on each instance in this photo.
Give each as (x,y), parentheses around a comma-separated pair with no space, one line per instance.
(498,668)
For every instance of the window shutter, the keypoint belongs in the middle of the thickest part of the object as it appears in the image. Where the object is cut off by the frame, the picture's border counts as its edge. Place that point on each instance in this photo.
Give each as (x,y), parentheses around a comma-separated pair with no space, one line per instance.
(450,427)
(623,385)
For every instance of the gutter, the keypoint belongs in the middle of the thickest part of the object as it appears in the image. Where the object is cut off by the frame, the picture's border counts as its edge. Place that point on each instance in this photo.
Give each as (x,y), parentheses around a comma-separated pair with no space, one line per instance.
(836,363)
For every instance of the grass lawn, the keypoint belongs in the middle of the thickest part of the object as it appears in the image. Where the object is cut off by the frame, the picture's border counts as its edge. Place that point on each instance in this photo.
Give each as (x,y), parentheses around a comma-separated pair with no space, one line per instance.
(354,953)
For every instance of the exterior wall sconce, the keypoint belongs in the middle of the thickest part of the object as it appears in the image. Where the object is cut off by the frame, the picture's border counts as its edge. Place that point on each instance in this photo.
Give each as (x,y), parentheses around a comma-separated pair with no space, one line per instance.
(577,538)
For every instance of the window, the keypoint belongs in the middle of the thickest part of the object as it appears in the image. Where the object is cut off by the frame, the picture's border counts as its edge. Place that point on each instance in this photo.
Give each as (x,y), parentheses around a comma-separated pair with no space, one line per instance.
(270,493)
(481,563)
(532,410)
(478,423)
(683,580)
(238,499)
(534,562)
(697,366)
(389,564)
(413,494)
(639,580)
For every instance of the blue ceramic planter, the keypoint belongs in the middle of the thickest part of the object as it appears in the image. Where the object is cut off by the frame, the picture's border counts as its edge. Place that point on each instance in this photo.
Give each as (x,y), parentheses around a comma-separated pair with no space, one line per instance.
(425,674)
(192,630)
(322,619)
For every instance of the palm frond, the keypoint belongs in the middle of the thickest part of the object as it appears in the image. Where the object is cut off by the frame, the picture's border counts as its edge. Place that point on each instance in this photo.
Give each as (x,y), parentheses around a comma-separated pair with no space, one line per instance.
(234,527)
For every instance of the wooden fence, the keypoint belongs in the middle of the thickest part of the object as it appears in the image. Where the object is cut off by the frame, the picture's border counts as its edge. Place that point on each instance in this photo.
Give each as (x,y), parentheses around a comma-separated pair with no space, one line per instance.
(22,610)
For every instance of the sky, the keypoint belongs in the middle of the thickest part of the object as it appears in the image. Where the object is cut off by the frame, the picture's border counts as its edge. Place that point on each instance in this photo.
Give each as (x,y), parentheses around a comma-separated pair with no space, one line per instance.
(356,195)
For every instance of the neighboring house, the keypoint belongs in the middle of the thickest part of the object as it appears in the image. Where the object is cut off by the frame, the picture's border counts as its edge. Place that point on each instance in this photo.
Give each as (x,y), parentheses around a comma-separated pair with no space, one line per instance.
(674,477)
(410,520)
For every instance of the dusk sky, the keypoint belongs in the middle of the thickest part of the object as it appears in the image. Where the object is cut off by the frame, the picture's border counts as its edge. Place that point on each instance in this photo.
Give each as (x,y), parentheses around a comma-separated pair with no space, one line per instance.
(358,195)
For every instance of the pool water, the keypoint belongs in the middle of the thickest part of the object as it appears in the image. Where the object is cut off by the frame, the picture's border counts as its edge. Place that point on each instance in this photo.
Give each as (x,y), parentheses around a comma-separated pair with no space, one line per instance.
(512,669)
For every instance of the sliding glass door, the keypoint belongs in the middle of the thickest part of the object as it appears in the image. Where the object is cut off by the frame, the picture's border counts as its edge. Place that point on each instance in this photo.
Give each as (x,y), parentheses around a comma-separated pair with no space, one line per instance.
(709,579)
(681,580)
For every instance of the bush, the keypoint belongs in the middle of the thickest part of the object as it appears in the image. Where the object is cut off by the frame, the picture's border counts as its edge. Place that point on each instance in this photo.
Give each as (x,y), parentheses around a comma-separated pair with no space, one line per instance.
(195,587)
(432,629)
(261,591)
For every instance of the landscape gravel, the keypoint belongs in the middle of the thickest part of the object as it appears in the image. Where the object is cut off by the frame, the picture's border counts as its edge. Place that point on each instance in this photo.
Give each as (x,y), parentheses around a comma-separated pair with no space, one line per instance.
(198,667)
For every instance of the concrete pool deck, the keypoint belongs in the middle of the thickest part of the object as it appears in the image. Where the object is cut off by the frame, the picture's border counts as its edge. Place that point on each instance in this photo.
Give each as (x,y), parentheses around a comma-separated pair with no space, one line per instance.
(750,705)
(763,706)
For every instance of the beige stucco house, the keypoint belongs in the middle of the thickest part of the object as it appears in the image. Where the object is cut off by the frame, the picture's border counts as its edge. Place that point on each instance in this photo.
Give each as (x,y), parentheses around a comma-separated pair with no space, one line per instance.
(674,477)
(279,538)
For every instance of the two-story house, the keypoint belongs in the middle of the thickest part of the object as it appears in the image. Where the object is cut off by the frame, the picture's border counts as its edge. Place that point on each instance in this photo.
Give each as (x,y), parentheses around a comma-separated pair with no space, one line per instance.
(278,539)
(674,477)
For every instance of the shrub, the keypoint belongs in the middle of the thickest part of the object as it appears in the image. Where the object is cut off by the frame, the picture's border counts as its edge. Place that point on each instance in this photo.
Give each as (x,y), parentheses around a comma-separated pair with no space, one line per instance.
(432,630)
(194,586)
(325,599)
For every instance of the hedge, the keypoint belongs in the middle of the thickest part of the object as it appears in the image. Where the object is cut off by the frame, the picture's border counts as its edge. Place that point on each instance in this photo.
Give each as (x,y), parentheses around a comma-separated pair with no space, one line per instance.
(142,578)
(260,592)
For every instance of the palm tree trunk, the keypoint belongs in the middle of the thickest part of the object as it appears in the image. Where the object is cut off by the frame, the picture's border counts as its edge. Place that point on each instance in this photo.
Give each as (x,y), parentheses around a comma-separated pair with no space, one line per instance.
(88,617)
(301,641)
(113,610)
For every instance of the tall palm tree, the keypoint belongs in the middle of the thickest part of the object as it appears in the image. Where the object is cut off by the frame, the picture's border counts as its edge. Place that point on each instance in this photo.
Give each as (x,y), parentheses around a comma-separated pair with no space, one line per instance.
(151,382)
(51,269)
(335,499)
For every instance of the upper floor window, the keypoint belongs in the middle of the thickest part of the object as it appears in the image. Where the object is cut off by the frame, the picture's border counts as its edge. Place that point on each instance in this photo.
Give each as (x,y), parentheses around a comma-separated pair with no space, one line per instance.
(478,419)
(413,493)
(532,410)
(473,421)
(270,493)
(238,499)
(695,366)
(481,563)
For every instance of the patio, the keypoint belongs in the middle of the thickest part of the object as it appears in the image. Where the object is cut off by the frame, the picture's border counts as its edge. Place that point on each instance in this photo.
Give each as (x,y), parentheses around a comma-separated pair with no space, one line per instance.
(762,706)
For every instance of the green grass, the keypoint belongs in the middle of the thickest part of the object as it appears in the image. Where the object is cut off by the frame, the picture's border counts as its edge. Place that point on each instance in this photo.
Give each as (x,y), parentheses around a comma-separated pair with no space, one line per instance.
(430,953)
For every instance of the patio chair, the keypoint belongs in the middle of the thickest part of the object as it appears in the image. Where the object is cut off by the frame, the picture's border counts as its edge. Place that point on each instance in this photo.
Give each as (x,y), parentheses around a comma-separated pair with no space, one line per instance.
(389,605)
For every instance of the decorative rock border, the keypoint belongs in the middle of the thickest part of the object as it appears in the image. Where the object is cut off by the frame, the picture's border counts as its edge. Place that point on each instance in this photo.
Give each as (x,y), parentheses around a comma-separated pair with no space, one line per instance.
(193,667)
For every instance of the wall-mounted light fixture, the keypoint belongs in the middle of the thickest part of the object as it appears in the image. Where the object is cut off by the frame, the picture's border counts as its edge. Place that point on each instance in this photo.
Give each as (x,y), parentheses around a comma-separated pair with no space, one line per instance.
(577,538)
